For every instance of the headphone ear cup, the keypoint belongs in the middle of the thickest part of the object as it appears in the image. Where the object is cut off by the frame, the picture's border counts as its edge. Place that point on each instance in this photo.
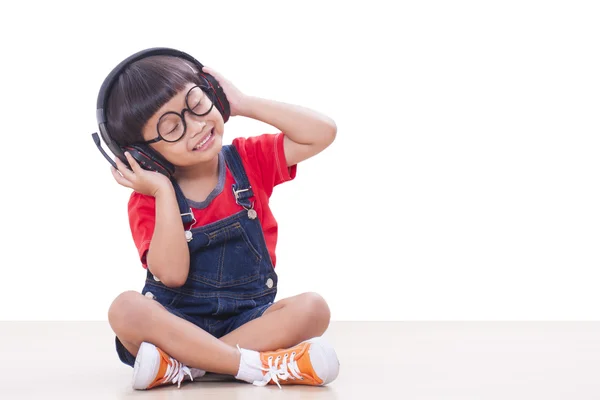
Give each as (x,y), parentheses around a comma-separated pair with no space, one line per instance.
(149,159)
(217,96)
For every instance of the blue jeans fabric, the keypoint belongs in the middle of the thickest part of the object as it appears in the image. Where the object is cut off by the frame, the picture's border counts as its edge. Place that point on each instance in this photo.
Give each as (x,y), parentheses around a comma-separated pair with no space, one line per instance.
(231,280)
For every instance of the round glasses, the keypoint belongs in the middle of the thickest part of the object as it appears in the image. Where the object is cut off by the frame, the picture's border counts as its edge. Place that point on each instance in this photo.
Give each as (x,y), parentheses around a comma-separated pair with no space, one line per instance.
(171,126)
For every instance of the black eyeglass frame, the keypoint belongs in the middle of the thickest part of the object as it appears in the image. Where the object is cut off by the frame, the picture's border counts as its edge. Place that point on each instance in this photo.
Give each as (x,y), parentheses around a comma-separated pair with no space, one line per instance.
(181,116)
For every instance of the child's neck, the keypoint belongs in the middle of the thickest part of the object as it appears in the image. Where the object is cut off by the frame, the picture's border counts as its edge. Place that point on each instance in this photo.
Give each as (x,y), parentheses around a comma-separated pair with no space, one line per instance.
(198,181)
(199,172)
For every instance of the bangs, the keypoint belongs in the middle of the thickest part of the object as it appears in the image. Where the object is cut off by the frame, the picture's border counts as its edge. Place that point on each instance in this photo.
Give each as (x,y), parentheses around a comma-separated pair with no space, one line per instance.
(141,90)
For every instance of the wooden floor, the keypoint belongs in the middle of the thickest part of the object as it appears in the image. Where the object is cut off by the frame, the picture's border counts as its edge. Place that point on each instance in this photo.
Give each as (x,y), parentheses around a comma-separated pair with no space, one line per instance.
(384,360)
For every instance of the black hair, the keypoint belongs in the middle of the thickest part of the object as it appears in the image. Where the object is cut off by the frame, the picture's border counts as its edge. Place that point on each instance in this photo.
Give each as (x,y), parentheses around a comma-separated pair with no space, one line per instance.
(141,89)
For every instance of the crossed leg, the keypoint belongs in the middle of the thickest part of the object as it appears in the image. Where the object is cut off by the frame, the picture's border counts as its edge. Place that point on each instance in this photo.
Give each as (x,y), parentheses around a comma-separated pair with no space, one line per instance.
(136,319)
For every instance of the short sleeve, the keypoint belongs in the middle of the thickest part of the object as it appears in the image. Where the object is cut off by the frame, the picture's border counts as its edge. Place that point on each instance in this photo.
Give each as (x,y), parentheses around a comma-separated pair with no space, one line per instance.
(264,155)
(141,210)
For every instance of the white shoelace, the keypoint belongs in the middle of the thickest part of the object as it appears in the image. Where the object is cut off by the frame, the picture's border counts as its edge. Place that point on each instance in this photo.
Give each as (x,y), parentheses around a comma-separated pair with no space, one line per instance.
(287,370)
(176,372)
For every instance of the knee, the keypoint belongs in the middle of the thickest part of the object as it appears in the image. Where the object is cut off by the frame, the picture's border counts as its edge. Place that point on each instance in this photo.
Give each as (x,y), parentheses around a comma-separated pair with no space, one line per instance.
(316,312)
(125,311)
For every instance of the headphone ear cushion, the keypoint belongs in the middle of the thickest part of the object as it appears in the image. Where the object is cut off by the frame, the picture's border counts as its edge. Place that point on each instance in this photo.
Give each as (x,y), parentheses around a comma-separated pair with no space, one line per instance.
(149,159)
(217,96)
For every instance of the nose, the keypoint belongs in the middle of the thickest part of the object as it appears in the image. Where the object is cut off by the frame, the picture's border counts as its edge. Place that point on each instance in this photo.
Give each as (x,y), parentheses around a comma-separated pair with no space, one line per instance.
(194,124)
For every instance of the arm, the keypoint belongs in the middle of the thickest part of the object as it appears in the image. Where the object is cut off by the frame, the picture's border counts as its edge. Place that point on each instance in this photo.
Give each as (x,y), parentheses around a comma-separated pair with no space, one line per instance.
(307,132)
(168,257)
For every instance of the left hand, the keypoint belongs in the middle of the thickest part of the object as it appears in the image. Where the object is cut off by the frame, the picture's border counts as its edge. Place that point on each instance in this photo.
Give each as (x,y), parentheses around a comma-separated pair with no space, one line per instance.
(236,98)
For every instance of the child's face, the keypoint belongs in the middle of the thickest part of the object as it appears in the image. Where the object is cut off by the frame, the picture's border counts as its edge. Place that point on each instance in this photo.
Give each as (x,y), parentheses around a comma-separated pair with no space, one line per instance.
(189,150)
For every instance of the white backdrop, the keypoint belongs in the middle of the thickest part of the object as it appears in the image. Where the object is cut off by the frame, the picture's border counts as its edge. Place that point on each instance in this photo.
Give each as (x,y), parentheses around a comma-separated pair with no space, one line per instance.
(463,183)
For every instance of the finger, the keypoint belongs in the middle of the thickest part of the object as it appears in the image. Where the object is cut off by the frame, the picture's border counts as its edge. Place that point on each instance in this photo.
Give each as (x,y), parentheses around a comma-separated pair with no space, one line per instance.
(212,72)
(120,179)
(134,164)
(124,170)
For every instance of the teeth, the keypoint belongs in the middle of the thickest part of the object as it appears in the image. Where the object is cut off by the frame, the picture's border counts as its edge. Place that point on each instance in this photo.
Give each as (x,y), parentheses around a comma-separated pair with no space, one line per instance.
(204,141)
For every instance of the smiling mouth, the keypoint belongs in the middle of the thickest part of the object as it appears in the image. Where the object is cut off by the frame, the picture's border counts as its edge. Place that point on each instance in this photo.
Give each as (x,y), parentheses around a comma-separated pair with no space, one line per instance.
(204,141)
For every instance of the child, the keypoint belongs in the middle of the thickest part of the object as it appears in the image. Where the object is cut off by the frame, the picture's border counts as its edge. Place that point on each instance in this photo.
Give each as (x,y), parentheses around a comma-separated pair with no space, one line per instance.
(208,300)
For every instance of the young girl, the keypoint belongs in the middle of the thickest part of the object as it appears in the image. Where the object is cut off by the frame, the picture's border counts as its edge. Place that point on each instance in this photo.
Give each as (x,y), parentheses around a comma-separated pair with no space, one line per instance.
(208,300)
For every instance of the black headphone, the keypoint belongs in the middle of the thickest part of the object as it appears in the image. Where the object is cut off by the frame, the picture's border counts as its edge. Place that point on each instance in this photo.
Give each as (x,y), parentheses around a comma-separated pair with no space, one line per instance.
(147,157)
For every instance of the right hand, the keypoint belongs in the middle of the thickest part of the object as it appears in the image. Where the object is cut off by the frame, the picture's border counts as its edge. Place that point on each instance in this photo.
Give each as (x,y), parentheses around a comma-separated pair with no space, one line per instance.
(141,180)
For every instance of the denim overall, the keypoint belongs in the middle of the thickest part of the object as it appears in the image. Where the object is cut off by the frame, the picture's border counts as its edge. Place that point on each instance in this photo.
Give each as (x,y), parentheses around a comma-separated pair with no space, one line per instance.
(231,280)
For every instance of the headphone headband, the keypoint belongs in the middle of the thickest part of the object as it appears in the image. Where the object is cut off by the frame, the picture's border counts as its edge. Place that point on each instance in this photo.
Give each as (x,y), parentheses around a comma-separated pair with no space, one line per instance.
(112,77)
(144,154)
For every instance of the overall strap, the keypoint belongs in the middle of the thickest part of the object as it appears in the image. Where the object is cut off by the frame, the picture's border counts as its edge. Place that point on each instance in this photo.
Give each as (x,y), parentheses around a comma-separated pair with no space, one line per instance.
(184,209)
(242,191)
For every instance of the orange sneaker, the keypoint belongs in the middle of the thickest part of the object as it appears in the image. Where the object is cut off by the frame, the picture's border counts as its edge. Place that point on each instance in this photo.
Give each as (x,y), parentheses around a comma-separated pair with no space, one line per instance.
(153,367)
(313,362)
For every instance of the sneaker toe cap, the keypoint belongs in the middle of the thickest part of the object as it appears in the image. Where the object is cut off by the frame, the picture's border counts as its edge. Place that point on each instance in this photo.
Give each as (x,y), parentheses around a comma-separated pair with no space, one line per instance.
(324,360)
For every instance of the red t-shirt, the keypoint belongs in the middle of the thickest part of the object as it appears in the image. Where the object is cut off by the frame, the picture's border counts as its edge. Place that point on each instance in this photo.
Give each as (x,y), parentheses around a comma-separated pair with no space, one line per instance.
(264,160)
